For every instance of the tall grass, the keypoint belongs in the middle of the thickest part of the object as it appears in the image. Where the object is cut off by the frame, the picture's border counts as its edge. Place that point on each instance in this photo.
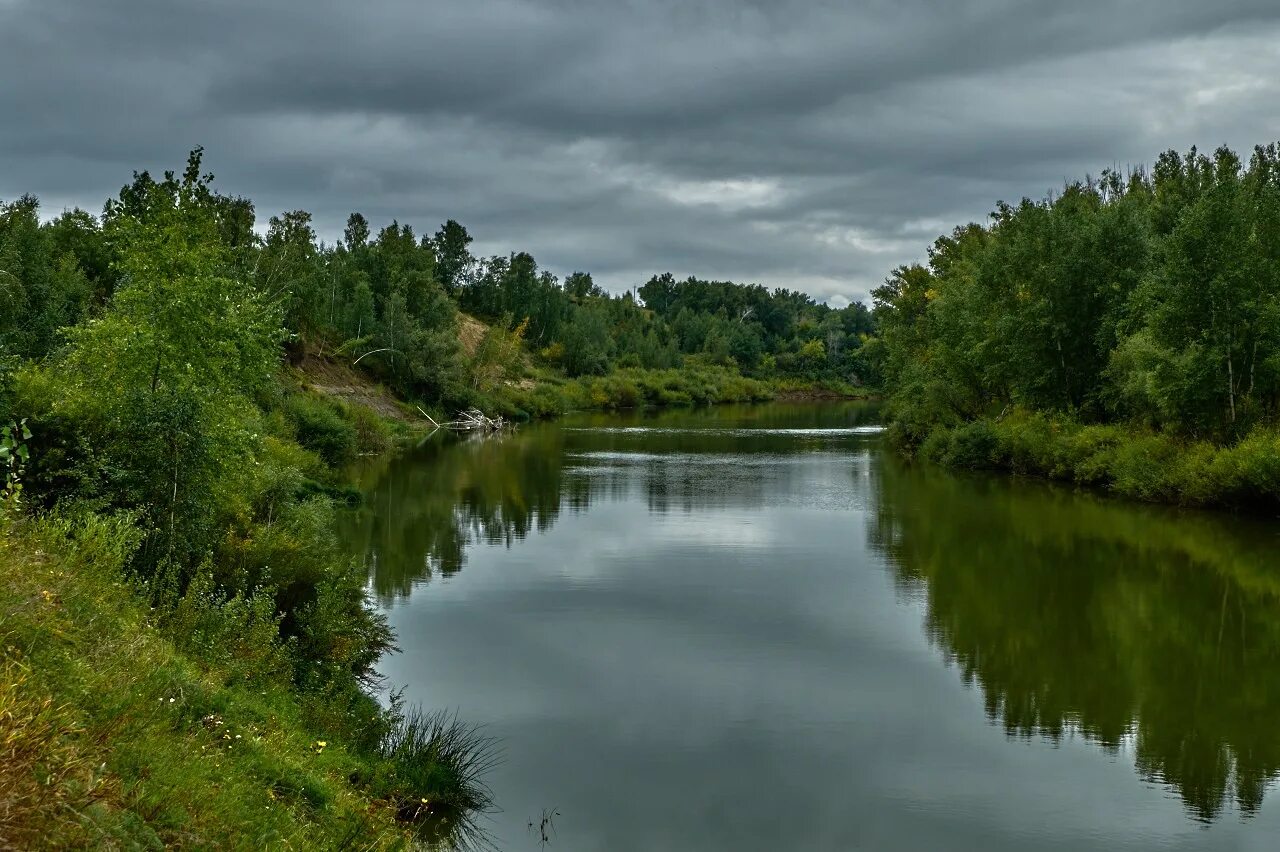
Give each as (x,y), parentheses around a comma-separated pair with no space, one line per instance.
(434,774)
(116,735)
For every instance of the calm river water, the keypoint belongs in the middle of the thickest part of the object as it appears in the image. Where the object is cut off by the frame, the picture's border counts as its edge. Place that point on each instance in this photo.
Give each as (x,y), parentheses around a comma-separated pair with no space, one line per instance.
(753,628)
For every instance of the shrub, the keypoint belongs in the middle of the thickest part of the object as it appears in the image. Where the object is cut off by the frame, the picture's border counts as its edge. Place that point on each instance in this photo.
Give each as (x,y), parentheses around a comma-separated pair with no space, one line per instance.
(372,433)
(240,633)
(1138,467)
(432,771)
(973,445)
(320,427)
(1133,462)
(1027,443)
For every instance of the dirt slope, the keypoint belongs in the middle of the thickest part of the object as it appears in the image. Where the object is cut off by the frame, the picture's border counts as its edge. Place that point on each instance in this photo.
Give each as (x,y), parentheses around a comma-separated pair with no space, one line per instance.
(338,379)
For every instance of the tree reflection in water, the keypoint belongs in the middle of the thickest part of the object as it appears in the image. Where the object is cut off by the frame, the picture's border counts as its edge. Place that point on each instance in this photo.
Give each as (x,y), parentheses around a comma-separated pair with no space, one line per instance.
(1142,629)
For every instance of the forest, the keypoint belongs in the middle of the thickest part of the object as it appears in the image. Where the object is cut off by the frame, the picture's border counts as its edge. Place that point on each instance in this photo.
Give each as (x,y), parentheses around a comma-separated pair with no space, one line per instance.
(1122,333)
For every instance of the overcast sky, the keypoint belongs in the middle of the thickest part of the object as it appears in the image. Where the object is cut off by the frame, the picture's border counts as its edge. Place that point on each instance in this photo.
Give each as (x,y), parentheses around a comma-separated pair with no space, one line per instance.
(800,144)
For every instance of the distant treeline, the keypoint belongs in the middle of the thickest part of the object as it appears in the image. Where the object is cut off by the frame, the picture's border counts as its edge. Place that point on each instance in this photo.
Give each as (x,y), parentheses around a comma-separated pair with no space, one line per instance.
(1125,332)
(394,297)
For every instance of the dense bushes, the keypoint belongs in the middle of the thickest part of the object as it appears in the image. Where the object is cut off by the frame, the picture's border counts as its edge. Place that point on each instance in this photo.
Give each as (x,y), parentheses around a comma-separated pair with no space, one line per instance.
(633,388)
(321,428)
(1144,465)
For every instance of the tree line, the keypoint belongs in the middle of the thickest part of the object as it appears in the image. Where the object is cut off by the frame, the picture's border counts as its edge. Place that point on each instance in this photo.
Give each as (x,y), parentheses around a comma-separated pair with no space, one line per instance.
(1148,302)
(391,299)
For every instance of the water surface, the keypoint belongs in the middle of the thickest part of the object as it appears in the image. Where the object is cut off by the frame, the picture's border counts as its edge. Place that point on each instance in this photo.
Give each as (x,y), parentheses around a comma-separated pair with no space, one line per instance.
(755,629)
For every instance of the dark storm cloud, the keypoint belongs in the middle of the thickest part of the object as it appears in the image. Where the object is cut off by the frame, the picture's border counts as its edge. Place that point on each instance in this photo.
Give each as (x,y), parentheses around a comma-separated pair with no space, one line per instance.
(808,145)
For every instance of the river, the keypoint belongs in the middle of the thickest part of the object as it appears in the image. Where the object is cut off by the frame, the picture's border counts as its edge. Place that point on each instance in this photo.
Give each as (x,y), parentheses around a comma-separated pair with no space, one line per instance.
(755,628)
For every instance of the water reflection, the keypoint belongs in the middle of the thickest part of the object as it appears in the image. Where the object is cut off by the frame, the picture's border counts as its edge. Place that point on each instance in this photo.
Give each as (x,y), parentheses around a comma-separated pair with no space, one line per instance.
(426,506)
(1134,627)
(721,574)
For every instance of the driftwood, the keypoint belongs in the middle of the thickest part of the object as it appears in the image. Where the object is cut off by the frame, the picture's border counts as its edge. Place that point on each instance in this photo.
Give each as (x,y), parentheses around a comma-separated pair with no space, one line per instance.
(475,420)
(430,419)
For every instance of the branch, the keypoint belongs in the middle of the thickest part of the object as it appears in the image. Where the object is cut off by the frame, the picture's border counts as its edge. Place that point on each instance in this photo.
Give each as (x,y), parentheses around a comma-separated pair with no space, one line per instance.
(374,352)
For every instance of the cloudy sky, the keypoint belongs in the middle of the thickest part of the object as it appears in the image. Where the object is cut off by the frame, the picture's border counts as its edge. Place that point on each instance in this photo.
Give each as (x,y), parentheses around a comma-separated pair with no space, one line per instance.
(812,145)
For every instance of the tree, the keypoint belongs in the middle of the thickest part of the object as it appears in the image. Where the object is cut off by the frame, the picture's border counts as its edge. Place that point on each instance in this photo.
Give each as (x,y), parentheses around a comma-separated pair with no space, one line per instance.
(42,290)
(161,378)
(586,342)
(579,287)
(453,259)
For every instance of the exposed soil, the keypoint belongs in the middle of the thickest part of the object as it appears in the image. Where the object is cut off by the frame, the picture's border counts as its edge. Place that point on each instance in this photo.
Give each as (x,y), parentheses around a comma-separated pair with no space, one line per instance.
(470,332)
(336,379)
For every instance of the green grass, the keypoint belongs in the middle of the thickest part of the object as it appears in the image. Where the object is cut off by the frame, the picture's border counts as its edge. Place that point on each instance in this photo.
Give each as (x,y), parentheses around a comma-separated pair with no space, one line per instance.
(112,738)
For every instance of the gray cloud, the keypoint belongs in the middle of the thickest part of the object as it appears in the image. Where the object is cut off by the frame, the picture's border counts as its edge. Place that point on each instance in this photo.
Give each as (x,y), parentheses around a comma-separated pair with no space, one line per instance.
(807,145)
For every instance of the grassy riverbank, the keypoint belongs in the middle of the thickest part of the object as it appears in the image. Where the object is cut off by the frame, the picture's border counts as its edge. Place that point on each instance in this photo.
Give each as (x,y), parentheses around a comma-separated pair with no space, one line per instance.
(1143,465)
(111,736)
(538,393)
(692,384)
(197,719)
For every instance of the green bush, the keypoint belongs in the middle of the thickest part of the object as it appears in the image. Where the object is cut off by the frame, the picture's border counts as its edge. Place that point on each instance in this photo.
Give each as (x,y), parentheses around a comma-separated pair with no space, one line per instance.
(240,633)
(973,446)
(319,426)
(372,433)
(1134,462)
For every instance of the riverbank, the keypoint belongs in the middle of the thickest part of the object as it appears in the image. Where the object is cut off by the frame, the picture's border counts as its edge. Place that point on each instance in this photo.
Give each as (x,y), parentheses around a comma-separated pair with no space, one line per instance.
(545,394)
(225,703)
(127,726)
(1140,465)
(113,737)
(636,388)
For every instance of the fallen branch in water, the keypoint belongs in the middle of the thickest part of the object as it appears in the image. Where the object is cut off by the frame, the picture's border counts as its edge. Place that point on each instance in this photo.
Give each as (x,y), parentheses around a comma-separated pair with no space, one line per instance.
(474,419)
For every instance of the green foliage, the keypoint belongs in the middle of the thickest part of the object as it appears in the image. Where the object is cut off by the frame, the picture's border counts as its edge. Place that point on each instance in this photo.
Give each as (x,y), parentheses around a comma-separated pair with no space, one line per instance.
(1142,465)
(14,455)
(242,631)
(586,344)
(1151,303)
(115,737)
(43,287)
(320,427)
